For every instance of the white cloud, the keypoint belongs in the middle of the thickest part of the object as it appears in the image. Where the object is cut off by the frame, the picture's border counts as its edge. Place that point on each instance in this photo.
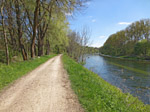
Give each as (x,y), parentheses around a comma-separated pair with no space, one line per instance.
(88,3)
(101,37)
(97,44)
(124,23)
(94,20)
(68,14)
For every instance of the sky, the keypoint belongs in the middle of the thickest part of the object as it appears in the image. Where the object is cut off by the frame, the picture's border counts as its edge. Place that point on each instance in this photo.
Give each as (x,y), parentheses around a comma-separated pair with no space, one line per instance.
(106,17)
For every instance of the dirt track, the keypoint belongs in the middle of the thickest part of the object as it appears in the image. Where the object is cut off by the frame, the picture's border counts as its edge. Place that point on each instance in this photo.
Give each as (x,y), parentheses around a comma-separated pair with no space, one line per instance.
(45,89)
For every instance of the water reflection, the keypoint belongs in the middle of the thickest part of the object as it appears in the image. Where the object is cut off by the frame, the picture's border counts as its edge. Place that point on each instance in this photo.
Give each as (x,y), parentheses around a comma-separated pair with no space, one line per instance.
(129,81)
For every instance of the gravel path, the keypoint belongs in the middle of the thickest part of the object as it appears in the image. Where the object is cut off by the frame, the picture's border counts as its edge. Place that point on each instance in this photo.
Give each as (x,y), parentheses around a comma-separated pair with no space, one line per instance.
(45,89)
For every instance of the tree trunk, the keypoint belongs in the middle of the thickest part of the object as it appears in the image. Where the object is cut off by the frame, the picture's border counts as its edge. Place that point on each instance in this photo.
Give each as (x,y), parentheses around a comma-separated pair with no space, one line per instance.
(40,47)
(35,51)
(47,47)
(5,37)
(42,29)
(18,19)
(10,24)
(35,25)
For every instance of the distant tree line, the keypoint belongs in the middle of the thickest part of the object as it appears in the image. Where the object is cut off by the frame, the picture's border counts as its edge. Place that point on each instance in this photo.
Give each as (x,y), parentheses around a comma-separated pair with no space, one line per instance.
(91,50)
(133,41)
(36,27)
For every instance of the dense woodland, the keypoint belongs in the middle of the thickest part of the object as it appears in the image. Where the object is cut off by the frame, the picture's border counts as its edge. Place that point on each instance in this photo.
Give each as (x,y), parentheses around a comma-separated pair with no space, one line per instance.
(30,28)
(134,41)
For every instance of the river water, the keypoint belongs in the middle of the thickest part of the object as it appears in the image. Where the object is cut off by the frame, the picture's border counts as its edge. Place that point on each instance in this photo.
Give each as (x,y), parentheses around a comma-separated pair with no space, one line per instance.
(128,80)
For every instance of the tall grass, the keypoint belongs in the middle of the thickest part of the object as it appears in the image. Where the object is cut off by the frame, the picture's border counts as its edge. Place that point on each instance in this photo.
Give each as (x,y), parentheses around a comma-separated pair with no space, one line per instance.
(96,95)
(15,70)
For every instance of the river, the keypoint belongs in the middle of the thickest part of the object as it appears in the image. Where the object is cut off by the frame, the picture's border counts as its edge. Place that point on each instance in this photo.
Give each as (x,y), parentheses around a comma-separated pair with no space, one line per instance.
(130,76)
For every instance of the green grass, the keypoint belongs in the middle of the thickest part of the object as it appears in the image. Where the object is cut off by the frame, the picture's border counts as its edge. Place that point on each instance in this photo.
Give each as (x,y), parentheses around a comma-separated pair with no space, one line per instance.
(97,95)
(130,68)
(15,70)
(131,58)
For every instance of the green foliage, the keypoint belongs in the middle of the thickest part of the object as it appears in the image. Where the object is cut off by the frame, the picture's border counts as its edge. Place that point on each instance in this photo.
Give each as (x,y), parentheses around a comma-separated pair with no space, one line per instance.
(142,48)
(133,41)
(2,56)
(96,95)
(91,50)
(15,70)
(37,27)
(57,33)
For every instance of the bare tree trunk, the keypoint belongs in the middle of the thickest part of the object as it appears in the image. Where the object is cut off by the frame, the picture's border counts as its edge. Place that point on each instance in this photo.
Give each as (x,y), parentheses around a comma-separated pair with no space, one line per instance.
(18,14)
(5,36)
(85,36)
(35,25)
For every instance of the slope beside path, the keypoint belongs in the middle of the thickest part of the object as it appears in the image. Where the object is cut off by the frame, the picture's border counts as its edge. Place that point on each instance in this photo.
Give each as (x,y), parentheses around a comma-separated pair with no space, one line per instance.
(45,89)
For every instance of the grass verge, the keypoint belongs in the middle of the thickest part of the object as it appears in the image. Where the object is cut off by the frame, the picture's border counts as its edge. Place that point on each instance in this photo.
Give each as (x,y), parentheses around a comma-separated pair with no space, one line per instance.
(97,95)
(15,70)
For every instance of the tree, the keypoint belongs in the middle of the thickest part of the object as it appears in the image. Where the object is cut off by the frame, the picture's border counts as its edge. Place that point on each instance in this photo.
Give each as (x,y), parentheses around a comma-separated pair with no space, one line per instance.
(142,48)
(57,5)
(78,41)
(84,41)
(36,25)
(19,28)
(4,33)
(130,41)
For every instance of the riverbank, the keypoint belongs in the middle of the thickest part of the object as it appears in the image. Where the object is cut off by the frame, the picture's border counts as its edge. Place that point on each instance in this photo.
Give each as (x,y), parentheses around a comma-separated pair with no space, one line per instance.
(10,73)
(126,58)
(95,94)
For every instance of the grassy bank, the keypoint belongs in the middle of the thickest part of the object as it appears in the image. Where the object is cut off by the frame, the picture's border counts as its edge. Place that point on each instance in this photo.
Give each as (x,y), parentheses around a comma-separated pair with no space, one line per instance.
(15,70)
(130,58)
(96,95)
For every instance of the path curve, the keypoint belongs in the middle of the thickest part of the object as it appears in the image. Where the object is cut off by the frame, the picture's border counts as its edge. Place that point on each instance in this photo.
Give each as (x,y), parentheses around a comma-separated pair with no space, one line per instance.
(45,89)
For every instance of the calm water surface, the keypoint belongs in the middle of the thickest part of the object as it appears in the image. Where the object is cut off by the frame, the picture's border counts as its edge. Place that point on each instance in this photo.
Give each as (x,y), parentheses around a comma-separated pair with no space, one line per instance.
(129,81)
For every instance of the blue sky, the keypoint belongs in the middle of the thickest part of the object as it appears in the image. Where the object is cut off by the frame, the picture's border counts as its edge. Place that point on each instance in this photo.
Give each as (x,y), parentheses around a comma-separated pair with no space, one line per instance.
(105,17)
